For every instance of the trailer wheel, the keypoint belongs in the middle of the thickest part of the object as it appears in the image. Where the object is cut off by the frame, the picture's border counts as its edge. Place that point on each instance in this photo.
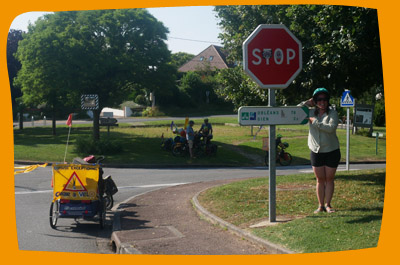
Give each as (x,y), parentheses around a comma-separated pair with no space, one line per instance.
(54,213)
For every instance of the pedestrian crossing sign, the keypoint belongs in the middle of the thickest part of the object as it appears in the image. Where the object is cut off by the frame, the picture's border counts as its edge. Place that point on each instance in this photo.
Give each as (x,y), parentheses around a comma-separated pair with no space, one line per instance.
(347,100)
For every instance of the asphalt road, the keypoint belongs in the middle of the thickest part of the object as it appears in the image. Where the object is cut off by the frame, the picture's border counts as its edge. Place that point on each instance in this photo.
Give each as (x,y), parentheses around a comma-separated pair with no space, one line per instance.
(33,195)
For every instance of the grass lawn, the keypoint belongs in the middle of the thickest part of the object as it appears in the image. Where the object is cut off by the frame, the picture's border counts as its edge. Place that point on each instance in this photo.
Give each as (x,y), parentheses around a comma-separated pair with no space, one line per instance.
(358,199)
(237,146)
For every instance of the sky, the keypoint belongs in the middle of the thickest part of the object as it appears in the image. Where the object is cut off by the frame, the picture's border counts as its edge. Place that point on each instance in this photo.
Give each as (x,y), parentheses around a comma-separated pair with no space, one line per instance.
(192,29)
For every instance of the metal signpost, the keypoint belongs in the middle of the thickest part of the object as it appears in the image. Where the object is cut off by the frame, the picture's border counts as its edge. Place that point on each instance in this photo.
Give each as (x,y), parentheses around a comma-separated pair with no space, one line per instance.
(272,57)
(347,101)
(377,135)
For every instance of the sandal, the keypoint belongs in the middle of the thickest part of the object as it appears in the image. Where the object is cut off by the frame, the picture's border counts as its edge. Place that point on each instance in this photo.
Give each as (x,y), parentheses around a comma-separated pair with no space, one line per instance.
(320,209)
(329,209)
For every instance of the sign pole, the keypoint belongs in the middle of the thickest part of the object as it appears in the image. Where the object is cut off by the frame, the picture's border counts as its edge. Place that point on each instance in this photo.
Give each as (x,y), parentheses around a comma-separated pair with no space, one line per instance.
(272,57)
(272,161)
(347,101)
(348,140)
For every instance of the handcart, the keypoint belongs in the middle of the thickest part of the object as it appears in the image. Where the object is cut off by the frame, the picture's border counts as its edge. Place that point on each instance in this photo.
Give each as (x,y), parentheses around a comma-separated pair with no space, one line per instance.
(77,193)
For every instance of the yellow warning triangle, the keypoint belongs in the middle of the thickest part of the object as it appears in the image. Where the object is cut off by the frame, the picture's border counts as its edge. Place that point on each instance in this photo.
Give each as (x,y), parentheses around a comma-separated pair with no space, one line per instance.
(74,184)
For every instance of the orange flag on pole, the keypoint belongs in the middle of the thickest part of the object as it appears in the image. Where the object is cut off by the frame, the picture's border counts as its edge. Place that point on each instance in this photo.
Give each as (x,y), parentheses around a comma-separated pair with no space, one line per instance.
(186,122)
(69,121)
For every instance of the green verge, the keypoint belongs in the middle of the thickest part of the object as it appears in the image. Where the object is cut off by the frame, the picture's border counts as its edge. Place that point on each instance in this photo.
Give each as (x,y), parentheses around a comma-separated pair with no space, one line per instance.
(358,199)
(237,146)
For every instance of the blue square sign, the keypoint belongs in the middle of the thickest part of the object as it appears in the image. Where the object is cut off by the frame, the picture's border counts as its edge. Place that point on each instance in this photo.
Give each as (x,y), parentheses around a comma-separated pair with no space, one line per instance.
(347,100)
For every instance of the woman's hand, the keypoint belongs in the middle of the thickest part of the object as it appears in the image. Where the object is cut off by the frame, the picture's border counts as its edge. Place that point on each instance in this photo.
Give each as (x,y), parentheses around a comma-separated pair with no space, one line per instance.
(310,102)
(311,119)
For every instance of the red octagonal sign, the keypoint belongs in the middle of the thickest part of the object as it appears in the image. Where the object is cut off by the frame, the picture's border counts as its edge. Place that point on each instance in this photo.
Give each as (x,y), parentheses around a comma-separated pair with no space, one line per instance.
(272,56)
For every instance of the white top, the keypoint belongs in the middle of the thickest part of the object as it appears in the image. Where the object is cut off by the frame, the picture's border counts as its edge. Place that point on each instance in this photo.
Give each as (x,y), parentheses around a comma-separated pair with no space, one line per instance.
(322,136)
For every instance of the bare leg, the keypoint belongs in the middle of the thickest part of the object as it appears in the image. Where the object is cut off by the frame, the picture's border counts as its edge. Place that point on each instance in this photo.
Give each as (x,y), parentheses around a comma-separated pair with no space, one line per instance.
(191,152)
(330,184)
(321,179)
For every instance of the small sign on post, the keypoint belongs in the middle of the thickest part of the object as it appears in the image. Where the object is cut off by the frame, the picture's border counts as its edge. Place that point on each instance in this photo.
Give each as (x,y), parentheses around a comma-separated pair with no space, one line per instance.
(90,102)
(347,101)
(250,115)
(109,122)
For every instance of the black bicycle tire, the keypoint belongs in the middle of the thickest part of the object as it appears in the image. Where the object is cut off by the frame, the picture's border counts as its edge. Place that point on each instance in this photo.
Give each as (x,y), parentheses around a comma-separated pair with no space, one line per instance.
(177,151)
(285,162)
(108,198)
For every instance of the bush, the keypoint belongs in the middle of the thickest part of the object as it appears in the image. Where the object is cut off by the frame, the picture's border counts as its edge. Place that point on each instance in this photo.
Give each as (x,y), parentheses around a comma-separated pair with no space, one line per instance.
(363,132)
(379,113)
(152,112)
(141,100)
(90,146)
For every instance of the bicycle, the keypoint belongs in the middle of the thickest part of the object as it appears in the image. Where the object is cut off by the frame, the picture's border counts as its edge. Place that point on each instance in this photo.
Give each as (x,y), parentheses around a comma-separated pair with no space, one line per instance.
(106,184)
(180,146)
(282,157)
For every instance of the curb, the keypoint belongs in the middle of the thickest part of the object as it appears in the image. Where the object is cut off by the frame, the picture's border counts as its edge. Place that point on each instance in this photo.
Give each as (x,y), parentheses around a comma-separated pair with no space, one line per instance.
(120,248)
(275,249)
(117,246)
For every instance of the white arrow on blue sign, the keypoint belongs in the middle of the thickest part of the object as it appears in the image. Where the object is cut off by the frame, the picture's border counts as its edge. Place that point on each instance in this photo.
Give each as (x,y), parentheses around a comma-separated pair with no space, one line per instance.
(347,100)
(272,115)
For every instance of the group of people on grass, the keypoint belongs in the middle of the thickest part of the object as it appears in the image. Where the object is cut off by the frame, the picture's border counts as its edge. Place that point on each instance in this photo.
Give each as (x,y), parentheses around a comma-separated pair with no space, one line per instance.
(205,131)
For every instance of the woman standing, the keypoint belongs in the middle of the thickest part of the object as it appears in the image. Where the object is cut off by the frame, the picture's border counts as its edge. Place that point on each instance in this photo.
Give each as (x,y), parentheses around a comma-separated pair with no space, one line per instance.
(324,146)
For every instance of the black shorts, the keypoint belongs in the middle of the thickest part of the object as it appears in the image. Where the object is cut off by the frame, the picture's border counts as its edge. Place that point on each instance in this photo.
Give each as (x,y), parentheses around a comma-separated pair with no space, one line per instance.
(330,159)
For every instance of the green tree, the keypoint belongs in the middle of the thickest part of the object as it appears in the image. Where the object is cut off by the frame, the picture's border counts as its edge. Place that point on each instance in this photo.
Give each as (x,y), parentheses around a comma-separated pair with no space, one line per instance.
(41,55)
(197,88)
(193,87)
(341,45)
(13,66)
(103,52)
(235,86)
(180,58)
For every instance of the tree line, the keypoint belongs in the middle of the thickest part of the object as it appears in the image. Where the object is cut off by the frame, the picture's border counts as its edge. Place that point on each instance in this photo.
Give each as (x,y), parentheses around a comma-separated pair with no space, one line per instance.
(341,50)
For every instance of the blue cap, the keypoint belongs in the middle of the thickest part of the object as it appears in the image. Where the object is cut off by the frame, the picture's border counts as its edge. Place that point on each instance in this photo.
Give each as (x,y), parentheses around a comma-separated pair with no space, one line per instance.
(320,90)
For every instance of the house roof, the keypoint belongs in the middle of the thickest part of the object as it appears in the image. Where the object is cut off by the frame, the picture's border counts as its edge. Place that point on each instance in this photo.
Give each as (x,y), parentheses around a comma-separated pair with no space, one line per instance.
(213,56)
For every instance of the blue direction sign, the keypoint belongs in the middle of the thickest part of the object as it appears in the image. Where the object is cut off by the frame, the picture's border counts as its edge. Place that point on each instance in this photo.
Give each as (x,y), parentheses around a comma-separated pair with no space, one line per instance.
(272,115)
(347,100)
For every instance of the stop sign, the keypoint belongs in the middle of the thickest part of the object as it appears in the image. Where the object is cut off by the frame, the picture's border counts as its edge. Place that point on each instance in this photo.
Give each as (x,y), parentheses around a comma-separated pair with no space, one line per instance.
(272,56)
